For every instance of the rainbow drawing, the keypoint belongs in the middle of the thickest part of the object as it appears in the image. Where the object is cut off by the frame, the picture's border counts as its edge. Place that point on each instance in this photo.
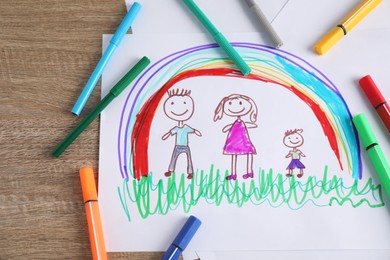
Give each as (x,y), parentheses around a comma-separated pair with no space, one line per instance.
(271,65)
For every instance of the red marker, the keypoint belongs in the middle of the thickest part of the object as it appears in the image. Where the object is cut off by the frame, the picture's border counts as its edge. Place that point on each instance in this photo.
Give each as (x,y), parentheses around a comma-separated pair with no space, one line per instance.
(376,99)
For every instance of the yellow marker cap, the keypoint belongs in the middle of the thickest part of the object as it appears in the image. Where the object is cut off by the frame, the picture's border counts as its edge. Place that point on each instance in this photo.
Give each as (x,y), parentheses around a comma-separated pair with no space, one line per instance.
(330,39)
(88,184)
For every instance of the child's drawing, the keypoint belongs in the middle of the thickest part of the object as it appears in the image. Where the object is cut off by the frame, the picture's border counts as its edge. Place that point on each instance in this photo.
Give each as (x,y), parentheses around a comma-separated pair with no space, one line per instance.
(275,74)
(238,141)
(179,106)
(294,139)
(234,167)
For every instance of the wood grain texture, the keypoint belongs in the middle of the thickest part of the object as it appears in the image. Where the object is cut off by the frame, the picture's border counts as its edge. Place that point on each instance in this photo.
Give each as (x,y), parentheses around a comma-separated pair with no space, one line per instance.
(48,49)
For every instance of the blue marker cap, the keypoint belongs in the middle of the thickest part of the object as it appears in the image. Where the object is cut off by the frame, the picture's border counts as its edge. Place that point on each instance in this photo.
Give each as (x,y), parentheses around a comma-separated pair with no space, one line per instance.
(182,239)
(126,23)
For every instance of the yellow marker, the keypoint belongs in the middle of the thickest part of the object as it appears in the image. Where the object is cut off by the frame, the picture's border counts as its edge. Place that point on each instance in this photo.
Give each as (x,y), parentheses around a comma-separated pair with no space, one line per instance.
(345,26)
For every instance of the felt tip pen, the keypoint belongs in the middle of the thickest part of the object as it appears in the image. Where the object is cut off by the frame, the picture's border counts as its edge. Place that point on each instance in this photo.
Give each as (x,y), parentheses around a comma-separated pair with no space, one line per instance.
(219,38)
(90,199)
(182,239)
(338,32)
(114,43)
(374,151)
(114,92)
(376,99)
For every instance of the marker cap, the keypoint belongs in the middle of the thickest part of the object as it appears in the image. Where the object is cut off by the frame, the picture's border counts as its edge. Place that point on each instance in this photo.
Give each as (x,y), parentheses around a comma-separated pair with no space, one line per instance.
(182,239)
(187,232)
(126,23)
(371,90)
(88,185)
(364,130)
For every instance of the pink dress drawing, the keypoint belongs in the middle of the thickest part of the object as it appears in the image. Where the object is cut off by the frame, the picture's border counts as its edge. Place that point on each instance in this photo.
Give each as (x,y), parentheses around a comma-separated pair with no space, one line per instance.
(238,141)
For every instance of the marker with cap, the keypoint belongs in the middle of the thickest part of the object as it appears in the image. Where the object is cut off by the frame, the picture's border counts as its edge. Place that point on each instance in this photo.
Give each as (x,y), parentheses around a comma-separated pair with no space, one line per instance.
(182,239)
(338,32)
(219,38)
(114,43)
(374,151)
(376,99)
(87,179)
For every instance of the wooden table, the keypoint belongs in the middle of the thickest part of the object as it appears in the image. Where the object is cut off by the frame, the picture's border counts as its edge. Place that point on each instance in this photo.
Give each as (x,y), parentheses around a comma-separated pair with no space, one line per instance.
(48,49)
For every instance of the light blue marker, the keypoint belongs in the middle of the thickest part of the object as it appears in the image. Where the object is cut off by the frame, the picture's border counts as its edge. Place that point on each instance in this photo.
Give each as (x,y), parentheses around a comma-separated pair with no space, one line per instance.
(114,43)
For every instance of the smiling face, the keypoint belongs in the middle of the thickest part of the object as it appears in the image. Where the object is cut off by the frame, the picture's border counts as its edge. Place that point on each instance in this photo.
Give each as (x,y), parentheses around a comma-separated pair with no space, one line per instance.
(293,140)
(179,108)
(237,107)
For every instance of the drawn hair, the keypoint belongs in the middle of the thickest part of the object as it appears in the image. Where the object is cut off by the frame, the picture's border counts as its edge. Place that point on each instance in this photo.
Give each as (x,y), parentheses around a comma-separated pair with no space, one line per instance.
(218,113)
(178,92)
(295,131)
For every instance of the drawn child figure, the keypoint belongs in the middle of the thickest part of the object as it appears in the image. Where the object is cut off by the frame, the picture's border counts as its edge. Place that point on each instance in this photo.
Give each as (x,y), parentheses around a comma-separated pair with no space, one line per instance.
(238,141)
(179,106)
(293,139)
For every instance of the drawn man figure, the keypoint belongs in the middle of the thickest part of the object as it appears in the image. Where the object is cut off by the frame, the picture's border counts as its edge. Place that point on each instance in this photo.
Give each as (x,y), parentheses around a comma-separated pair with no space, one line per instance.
(293,139)
(179,106)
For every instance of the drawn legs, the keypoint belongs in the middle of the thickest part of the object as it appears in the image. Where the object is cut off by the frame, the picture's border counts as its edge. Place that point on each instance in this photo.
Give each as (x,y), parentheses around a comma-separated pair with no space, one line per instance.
(295,163)
(175,154)
(249,167)
(233,171)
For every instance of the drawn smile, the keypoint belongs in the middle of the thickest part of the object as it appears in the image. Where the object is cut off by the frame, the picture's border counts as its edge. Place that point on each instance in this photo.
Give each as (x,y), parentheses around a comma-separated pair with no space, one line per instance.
(180,114)
(237,111)
(295,142)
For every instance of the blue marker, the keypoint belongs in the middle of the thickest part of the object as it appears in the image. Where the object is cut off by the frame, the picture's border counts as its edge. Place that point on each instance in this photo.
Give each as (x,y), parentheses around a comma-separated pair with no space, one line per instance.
(182,239)
(114,43)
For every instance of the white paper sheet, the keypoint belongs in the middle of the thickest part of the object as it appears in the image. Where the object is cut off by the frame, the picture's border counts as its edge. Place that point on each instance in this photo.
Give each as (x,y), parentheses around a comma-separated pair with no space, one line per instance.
(268,226)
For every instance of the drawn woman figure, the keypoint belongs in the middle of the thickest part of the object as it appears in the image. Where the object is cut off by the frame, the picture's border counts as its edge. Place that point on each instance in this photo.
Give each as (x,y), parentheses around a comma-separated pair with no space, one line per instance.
(238,141)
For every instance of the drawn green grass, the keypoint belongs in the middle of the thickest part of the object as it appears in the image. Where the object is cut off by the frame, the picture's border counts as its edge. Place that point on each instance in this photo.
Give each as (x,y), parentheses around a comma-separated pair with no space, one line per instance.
(152,195)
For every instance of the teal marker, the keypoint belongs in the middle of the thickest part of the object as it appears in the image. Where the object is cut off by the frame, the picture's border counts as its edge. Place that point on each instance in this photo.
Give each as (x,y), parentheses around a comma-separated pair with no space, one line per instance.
(374,151)
(114,92)
(219,38)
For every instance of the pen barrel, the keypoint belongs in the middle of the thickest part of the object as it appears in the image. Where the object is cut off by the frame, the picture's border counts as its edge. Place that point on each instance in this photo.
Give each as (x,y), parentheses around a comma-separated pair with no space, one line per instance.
(130,76)
(357,14)
(114,92)
(93,80)
(201,16)
(232,54)
(267,25)
(95,230)
(381,167)
(82,125)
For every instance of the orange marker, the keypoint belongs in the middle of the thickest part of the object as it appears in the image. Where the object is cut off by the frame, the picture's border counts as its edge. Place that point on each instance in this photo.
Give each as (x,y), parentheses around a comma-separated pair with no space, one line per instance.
(88,186)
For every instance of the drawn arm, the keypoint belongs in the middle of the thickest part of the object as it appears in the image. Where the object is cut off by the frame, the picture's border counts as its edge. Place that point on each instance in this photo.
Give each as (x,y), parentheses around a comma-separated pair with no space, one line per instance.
(227,128)
(197,132)
(250,125)
(165,136)
(302,153)
(288,155)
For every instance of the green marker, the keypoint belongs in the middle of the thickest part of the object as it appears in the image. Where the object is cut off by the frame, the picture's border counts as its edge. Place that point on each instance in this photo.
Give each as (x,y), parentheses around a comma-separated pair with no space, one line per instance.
(374,151)
(219,38)
(114,92)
